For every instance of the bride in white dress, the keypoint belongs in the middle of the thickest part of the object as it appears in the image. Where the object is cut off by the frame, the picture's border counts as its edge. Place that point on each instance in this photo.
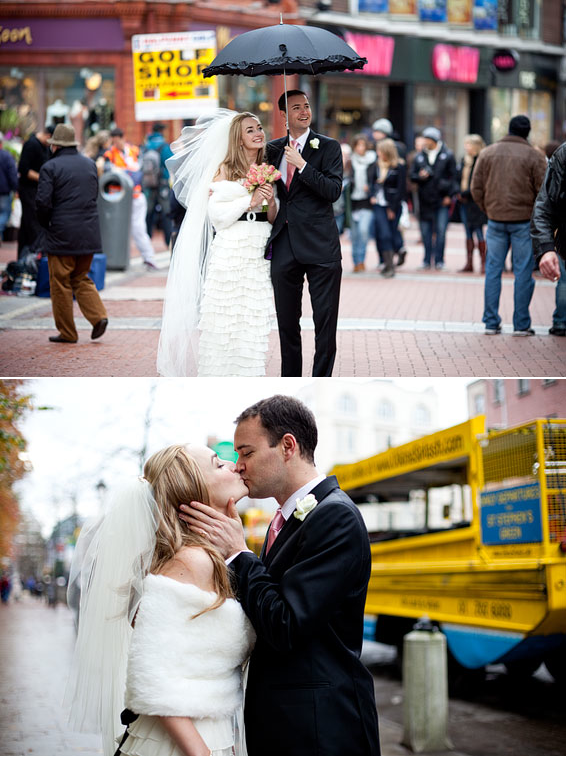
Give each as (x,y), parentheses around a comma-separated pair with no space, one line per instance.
(160,631)
(218,309)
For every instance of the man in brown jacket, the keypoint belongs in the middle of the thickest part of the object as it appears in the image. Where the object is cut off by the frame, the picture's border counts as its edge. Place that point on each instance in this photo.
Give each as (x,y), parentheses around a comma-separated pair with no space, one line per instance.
(505,184)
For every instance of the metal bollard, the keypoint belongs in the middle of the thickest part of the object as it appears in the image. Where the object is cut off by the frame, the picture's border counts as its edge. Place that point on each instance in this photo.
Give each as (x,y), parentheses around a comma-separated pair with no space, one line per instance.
(425,689)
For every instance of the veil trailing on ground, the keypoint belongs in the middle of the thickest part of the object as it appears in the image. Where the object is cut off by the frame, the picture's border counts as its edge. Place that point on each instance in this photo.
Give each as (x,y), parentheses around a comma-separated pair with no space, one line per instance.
(197,154)
(112,557)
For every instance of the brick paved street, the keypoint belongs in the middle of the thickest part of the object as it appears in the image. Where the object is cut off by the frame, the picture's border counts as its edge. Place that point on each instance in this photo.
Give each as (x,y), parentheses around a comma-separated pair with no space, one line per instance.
(417,324)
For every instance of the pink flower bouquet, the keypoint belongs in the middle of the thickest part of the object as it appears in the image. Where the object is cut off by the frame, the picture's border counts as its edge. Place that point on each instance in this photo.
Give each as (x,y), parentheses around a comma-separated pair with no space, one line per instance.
(258,175)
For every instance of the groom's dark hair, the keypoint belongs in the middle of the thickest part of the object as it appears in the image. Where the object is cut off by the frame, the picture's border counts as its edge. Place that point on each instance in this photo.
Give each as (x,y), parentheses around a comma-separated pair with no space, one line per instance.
(280,415)
(290,93)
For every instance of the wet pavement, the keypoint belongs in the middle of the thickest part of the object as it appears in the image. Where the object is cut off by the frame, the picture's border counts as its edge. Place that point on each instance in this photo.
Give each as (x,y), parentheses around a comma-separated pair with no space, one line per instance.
(420,323)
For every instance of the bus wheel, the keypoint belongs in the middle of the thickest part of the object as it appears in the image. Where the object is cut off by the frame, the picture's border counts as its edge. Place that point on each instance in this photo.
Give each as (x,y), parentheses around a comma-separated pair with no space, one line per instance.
(522,668)
(556,664)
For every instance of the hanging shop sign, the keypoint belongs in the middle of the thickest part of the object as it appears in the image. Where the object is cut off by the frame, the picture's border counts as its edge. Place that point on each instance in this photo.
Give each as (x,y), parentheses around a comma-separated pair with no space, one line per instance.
(459,64)
(168,77)
(376,48)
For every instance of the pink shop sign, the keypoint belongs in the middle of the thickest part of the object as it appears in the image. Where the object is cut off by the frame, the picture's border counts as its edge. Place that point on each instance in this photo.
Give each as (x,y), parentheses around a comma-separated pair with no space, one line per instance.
(377,49)
(450,63)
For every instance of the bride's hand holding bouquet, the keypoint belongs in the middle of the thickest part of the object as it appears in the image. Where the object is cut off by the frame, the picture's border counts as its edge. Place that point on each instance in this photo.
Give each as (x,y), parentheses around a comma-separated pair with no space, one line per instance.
(259,182)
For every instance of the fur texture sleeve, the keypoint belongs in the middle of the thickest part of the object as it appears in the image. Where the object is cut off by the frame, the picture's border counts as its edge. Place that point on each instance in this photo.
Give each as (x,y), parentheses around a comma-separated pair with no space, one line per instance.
(184,666)
(228,201)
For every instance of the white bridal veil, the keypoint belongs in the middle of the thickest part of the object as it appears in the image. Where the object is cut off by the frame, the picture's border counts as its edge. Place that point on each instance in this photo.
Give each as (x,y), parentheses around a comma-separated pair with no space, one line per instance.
(197,155)
(112,557)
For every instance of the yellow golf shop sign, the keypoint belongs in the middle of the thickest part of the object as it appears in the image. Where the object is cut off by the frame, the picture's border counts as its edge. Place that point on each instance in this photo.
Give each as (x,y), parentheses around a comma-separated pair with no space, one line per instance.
(168,77)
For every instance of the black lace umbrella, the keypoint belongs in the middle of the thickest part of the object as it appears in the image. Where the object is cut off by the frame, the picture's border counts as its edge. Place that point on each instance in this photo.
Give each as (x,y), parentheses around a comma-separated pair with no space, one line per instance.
(283,49)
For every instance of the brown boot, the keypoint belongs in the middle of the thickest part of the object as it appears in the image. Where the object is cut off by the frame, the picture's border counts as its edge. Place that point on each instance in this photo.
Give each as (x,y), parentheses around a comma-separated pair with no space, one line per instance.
(469,267)
(483,251)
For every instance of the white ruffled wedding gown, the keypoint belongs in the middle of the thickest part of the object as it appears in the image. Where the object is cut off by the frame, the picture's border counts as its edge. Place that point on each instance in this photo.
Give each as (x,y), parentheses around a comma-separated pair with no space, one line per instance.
(237,311)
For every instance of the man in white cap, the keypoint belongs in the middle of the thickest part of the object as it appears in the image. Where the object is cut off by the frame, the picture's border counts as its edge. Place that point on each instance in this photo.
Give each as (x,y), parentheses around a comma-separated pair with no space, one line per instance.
(434,172)
(66,200)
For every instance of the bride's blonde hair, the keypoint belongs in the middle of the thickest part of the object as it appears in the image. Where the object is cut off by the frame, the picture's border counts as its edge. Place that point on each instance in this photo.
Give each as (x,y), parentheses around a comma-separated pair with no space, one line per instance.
(176,479)
(235,165)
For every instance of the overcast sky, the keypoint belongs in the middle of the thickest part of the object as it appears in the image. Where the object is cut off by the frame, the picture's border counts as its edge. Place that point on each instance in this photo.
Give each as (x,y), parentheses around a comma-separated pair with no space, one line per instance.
(95,429)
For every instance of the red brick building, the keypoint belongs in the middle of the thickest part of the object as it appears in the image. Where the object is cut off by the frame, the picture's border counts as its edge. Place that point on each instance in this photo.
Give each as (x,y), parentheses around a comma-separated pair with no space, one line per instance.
(72,59)
(508,402)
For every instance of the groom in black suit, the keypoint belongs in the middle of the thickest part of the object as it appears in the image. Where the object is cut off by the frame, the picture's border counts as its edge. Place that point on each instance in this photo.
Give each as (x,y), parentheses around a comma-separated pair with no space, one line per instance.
(304,240)
(308,692)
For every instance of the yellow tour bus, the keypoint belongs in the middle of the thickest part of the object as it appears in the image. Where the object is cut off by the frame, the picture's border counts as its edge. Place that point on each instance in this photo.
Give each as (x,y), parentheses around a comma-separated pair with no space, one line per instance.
(468,528)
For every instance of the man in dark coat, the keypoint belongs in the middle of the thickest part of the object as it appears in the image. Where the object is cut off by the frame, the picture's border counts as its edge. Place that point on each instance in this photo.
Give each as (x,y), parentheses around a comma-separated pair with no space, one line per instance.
(304,240)
(434,172)
(308,691)
(34,154)
(548,232)
(66,206)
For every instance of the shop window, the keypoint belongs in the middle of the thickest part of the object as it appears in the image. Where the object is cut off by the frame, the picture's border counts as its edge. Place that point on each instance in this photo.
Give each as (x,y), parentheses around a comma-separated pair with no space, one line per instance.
(350,104)
(537,105)
(447,108)
(81,97)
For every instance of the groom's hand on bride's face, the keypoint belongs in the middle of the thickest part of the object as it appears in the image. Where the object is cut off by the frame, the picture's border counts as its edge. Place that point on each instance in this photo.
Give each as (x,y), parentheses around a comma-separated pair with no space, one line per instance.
(225,532)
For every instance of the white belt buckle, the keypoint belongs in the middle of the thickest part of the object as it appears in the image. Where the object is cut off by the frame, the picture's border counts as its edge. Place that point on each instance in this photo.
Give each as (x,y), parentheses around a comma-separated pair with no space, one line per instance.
(250,215)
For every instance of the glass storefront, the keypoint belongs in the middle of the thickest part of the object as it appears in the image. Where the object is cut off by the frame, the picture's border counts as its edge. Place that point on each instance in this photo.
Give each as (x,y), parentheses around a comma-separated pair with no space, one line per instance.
(83,97)
(537,105)
(447,108)
(246,93)
(349,106)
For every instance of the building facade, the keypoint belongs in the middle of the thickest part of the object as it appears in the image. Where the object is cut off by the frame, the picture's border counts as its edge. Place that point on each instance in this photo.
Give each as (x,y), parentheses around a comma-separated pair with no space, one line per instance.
(71,60)
(357,419)
(460,65)
(508,402)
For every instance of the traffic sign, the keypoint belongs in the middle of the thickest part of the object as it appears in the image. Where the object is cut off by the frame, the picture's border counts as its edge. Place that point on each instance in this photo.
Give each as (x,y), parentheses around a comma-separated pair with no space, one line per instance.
(168,77)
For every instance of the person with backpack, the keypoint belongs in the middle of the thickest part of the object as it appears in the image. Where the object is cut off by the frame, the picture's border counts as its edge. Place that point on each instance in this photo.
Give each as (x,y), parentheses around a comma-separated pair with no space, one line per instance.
(155,180)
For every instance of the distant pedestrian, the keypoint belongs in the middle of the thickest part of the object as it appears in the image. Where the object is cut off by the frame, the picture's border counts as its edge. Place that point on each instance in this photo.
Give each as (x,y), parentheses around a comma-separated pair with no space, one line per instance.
(505,184)
(388,190)
(8,185)
(434,173)
(548,231)
(362,159)
(383,129)
(5,588)
(35,152)
(95,148)
(67,207)
(471,216)
(155,180)
(125,157)
(342,208)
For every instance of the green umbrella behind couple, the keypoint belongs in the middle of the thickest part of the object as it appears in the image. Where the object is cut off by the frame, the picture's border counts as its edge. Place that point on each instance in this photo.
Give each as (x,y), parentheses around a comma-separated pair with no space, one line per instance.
(173,604)
(233,258)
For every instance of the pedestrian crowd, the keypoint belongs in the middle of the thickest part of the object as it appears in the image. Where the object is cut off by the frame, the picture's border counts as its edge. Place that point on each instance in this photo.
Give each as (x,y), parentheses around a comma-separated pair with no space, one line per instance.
(507,195)
(494,186)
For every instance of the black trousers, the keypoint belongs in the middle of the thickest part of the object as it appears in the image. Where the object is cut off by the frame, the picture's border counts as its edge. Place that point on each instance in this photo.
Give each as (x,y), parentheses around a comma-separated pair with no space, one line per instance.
(288,276)
(30,229)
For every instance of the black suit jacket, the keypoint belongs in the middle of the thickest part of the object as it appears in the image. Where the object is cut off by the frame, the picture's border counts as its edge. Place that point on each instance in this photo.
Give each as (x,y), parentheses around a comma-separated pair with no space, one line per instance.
(306,210)
(308,692)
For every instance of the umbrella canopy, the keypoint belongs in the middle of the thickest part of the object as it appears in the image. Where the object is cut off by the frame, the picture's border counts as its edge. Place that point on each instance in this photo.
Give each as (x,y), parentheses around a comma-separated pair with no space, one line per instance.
(285,49)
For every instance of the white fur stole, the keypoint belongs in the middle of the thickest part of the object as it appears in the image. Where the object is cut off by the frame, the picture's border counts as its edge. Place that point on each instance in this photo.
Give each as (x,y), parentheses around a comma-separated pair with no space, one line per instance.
(184,666)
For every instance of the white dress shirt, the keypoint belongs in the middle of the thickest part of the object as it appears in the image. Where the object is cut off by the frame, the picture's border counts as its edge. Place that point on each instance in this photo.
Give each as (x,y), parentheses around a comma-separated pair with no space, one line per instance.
(302,140)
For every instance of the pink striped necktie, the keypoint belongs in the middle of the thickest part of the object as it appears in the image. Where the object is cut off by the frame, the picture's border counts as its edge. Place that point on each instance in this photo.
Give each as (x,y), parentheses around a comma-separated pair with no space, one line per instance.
(290,168)
(276,525)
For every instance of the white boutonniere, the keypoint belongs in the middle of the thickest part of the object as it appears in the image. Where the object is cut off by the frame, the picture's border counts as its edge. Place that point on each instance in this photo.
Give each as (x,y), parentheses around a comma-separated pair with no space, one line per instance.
(304,506)
(314,143)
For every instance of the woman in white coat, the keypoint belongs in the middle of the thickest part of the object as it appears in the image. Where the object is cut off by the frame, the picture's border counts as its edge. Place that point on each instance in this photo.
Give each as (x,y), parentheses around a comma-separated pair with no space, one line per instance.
(160,631)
